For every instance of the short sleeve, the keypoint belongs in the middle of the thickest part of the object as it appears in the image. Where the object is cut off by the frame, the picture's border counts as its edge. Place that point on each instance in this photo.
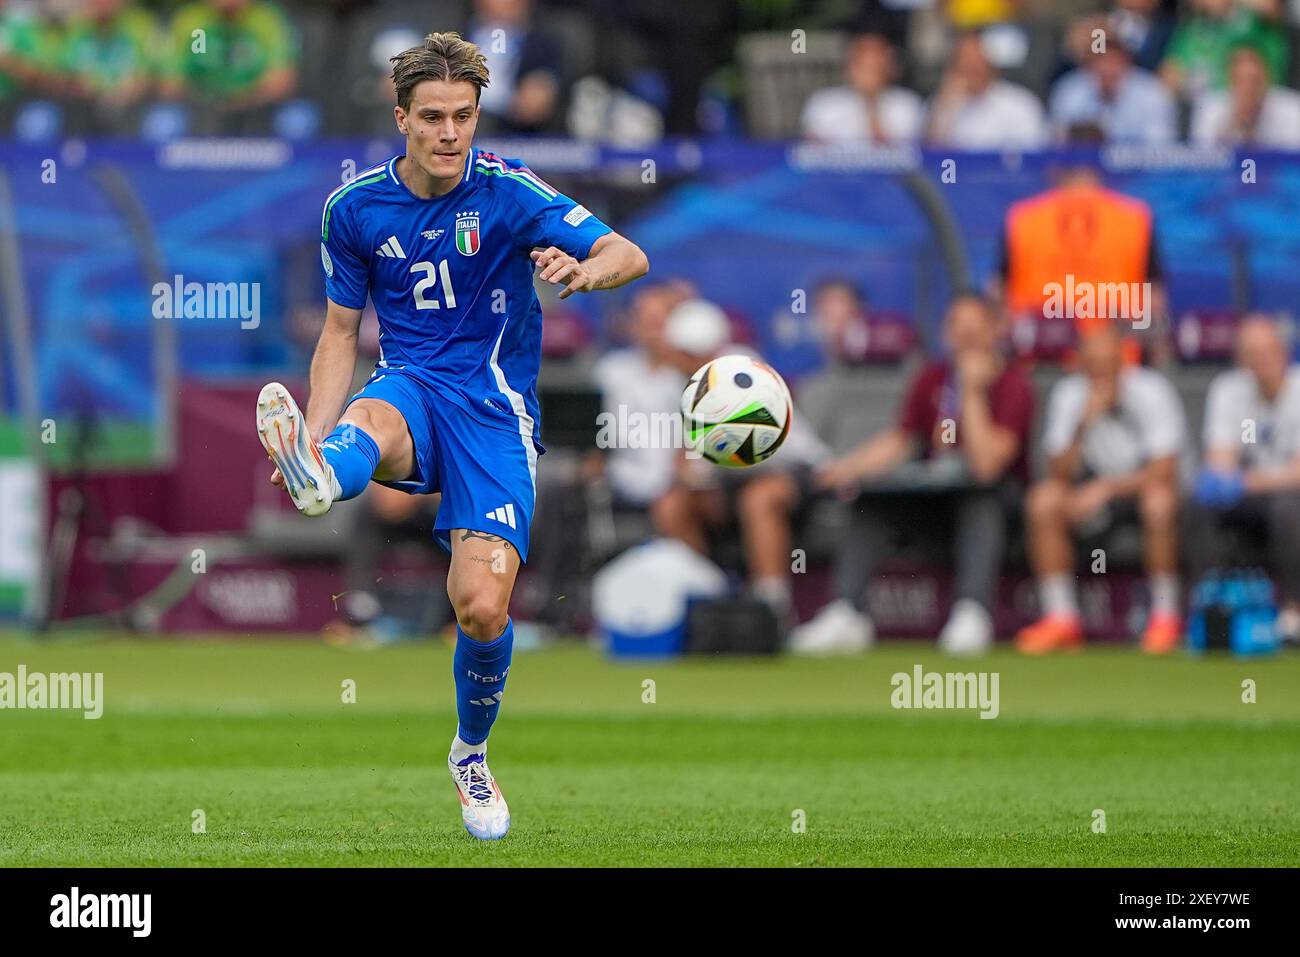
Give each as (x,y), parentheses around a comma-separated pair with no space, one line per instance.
(347,267)
(914,417)
(278,38)
(551,218)
(1013,405)
(1222,421)
(1064,412)
(1164,426)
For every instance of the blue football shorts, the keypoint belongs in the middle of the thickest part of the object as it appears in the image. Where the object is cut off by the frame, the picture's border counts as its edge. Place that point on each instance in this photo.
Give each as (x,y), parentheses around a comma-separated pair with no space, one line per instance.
(487,475)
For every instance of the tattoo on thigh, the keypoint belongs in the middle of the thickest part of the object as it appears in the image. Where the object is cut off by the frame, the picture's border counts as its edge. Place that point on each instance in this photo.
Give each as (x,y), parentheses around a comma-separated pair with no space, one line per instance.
(485,536)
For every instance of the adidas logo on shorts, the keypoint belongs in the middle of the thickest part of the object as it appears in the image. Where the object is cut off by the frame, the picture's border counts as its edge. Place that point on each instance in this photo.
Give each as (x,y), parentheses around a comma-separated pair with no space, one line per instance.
(505,514)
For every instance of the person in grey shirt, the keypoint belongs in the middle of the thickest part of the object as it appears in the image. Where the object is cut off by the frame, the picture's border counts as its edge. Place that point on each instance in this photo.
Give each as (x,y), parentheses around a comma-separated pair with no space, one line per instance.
(1249,484)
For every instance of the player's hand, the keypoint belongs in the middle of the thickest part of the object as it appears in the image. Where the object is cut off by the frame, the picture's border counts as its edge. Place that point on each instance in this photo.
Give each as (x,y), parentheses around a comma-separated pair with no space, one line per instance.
(277,479)
(558,267)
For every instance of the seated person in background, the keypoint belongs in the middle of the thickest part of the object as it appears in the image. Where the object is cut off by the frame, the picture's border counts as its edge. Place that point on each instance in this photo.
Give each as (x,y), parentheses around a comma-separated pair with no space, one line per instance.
(1198,53)
(527,68)
(108,58)
(840,316)
(975,110)
(373,610)
(762,498)
(642,379)
(249,63)
(969,416)
(869,108)
(26,47)
(1250,110)
(1128,104)
(1114,437)
(1250,481)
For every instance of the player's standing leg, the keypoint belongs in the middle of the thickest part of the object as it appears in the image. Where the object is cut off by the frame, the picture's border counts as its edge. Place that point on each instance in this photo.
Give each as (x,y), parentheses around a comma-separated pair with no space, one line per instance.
(482,576)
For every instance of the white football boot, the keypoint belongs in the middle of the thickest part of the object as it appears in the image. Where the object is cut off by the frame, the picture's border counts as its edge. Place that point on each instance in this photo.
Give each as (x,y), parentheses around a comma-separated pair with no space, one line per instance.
(969,630)
(838,629)
(482,805)
(282,427)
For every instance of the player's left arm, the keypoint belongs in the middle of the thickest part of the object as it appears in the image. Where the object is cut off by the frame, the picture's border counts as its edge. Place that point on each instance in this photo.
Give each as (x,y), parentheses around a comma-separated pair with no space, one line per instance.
(613,261)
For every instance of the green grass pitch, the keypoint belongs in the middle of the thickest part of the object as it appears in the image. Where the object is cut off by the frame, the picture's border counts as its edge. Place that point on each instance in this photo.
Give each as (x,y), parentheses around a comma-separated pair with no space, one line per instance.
(714,772)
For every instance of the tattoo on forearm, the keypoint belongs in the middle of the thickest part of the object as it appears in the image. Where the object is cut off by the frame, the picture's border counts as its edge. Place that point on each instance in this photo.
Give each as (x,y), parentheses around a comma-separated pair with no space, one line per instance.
(604,282)
(485,536)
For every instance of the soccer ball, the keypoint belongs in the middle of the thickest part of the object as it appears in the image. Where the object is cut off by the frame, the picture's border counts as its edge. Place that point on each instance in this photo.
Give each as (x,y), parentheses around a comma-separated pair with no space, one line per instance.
(736,411)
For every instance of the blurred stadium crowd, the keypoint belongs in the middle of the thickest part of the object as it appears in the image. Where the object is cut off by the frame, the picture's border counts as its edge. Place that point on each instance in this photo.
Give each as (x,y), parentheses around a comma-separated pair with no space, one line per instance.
(967,73)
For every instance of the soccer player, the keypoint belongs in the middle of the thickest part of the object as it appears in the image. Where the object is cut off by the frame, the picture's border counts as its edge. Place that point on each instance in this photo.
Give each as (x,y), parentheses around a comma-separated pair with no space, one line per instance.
(444,239)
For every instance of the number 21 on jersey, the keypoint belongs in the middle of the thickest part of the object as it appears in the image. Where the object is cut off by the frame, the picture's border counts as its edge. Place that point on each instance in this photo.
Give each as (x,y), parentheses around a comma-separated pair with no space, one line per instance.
(427,288)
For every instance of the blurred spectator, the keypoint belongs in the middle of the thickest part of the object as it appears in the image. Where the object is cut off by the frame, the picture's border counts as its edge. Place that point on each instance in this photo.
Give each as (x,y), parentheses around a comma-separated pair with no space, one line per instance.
(839,315)
(969,418)
(1250,483)
(527,68)
(108,62)
(1115,437)
(1202,44)
(869,108)
(1071,244)
(1250,110)
(643,379)
(973,109)
(25,54)
(970,14)
(761,499)
(1126,103)
(232,60)
(1145,28)
(373,610)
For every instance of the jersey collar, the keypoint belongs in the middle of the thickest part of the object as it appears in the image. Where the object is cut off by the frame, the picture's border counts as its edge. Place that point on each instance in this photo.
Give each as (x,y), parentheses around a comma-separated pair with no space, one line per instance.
(455,190)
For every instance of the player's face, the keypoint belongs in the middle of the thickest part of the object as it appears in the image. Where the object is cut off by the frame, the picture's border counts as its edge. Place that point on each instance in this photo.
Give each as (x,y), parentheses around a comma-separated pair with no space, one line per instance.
(439,126)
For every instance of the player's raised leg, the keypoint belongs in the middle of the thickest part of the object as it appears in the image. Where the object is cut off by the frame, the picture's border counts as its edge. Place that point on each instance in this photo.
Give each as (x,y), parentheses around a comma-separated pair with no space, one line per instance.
(300,465)
(482,576)
(371,441)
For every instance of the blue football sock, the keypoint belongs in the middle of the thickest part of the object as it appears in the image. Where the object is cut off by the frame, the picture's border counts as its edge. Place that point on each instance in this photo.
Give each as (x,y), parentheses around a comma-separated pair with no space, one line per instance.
(480,668)
(353,455)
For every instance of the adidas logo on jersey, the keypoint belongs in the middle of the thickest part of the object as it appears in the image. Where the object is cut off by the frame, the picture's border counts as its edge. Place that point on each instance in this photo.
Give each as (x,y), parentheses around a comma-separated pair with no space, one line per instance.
(504,514)
(392,249)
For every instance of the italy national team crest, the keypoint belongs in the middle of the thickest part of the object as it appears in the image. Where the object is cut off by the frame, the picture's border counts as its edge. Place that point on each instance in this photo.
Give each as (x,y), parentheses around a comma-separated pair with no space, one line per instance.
(467,234)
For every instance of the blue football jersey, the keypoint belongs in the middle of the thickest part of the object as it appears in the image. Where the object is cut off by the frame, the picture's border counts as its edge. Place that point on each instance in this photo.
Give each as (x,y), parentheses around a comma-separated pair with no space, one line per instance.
(451,278)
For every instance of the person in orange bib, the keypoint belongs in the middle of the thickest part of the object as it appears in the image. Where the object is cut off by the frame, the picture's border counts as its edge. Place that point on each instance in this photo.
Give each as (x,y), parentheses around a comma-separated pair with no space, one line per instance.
(1083,253)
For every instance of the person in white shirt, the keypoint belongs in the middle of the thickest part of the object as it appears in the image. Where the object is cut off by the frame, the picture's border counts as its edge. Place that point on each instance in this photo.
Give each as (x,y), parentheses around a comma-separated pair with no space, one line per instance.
(868,108)
(1249,484)
(1250,110)
(762,499)
(1115,439)
(975,110)
(642,380)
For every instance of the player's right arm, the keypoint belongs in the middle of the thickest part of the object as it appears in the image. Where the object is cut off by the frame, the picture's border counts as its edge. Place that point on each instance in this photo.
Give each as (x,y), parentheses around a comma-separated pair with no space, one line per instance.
(332,367)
